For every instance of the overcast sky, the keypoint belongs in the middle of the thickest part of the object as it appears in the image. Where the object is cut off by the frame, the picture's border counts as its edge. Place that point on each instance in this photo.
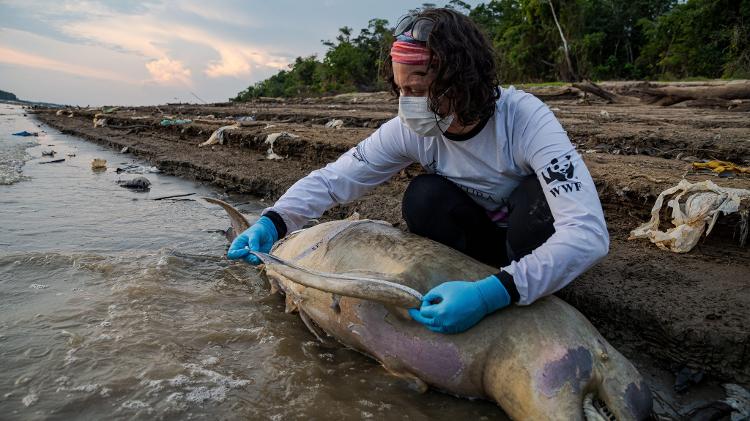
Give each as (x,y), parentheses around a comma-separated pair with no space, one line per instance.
(151,52)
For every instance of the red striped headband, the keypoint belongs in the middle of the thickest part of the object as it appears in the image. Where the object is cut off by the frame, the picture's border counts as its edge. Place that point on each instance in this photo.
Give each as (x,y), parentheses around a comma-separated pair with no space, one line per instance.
(409,53)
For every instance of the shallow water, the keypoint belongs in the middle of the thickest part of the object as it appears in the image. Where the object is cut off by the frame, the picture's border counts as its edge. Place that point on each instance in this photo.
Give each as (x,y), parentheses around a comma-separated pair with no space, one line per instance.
(116,305)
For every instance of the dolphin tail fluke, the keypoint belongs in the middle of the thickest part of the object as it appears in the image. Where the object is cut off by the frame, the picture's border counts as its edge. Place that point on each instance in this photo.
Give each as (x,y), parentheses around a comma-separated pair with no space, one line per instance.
(239,222)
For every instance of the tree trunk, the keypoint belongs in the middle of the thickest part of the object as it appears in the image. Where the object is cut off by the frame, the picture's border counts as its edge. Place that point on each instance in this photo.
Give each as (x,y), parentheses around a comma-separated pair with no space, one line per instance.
(673,95)
(573,77)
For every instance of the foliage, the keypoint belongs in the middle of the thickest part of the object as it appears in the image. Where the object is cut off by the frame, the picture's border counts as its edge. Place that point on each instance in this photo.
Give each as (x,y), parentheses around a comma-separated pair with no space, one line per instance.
(607,39)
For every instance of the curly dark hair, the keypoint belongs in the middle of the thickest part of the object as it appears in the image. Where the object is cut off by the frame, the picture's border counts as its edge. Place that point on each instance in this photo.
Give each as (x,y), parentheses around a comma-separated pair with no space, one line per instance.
(463,61)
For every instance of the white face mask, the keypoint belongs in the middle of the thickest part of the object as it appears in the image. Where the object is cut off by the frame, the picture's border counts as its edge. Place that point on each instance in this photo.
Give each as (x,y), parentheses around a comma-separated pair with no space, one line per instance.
(415,113)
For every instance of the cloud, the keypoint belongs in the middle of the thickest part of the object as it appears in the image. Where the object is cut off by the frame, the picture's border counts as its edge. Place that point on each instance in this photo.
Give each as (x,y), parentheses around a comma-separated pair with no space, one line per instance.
(22,58)
(167,70)
(150,35)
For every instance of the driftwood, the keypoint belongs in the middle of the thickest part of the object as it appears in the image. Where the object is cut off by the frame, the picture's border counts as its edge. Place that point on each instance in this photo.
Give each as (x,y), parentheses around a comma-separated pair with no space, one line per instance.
(611,97)
(674,95)
(554,93)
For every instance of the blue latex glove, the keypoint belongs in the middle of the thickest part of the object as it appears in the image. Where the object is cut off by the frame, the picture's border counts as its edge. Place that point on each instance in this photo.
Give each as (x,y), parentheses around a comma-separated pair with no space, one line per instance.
(259,237)
(453,307)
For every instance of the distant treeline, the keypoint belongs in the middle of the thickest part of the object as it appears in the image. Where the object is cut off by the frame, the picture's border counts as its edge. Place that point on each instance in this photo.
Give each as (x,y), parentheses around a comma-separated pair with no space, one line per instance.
(605,39)
(7,96)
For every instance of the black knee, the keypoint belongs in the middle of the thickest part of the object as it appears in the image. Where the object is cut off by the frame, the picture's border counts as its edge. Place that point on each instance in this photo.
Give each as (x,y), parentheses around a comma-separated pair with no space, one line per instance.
(419,205)
(434,207)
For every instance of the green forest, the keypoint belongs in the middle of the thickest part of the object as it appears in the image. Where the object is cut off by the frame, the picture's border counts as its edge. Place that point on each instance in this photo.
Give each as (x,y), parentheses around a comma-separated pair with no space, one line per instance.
(551,40)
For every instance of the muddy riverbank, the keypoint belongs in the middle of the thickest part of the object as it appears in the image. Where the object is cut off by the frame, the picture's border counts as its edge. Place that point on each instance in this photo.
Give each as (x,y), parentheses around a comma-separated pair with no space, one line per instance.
(688,310)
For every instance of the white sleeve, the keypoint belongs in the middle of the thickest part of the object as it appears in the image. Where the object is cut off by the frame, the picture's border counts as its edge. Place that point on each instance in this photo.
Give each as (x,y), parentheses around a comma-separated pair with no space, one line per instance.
(359,170)
(580,238)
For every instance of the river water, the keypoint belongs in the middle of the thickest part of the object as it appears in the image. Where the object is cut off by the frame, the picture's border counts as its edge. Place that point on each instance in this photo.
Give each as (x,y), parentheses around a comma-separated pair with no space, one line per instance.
(116,305)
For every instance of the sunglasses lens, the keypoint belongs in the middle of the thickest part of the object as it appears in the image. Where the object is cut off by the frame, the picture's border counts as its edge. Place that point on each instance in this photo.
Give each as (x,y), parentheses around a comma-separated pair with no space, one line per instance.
(404,24)
(421,29)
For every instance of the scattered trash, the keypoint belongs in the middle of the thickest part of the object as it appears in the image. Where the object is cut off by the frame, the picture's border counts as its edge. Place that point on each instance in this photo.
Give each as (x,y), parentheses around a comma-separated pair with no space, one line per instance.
(54,161)
(690,216)
(245,118)
(553,109)
(739,399)
(335,124)
(62,112)
(604,113)
(735,407)
(71,155)
(686,378)
(137,169)
(99,121)
(272,138)
(218,136)
(48,153)
(124,150)
(99,164)
(25,133)
(720,167)
(140,117)
(175,122)
(110,110)
(138,184)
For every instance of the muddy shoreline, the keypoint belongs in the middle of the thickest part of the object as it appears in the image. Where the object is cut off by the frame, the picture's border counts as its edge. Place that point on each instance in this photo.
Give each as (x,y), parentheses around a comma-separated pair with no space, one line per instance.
(688,310)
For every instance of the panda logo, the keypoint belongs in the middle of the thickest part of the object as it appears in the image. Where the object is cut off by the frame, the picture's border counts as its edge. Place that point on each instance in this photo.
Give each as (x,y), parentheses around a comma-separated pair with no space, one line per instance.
(559,170)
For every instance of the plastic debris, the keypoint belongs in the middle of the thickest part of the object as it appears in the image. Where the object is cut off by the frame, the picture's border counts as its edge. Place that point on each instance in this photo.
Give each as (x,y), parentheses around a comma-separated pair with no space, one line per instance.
(695,208)
(124,150)
(137,183)
(99,164)
(720,167)
(48,153)
(686,378)
(272,138)
(54,161)
(137,169)
(99,121)
(175,121)
(604,113)
(335,124)
(739,399)
(25,133)
(110,110)
(218,136)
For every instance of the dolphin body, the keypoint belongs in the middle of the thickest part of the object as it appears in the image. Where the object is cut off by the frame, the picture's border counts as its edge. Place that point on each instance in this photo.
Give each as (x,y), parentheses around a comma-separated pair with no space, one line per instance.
(353,279)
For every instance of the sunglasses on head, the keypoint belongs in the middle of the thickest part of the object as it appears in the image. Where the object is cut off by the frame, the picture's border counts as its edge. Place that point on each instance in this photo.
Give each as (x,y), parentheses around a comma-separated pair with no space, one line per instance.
(414,27)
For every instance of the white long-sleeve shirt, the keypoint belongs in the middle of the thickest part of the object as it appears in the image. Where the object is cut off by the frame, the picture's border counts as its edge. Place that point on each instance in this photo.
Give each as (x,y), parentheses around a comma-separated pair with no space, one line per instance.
(522,137)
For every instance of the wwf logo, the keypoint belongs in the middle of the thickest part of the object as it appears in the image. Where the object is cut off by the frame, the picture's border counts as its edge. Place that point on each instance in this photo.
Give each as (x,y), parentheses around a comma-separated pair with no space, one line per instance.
(559,170)
(359,155)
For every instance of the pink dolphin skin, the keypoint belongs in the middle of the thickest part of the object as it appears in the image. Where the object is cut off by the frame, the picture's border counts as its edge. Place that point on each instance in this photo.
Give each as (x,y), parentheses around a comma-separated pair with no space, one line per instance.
(543,361)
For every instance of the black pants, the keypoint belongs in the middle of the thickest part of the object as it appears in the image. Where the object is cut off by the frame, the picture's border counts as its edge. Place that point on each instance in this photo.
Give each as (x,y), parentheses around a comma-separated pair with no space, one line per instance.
(435,208)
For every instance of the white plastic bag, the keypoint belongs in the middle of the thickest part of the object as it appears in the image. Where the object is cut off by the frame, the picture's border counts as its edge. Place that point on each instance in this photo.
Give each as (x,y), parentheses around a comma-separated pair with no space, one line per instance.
(694,207)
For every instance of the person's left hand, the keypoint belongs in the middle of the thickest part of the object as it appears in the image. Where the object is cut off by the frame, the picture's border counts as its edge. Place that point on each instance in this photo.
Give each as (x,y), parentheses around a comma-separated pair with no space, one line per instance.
(453,307)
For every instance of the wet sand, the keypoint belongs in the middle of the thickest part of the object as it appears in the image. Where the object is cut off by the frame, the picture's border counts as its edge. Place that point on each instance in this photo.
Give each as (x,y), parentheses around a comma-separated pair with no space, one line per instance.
(679,310)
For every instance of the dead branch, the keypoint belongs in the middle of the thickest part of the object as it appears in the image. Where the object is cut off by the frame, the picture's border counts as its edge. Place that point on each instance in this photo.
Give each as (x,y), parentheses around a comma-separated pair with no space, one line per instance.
(673,95)
(594,89)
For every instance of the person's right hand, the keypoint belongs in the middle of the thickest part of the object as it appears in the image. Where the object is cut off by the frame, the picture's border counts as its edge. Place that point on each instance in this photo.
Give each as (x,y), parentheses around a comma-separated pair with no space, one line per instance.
(259,237)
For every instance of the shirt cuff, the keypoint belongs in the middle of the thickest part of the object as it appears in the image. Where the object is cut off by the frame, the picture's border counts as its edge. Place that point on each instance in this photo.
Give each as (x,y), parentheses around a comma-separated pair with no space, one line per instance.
(278,222)
(507,280)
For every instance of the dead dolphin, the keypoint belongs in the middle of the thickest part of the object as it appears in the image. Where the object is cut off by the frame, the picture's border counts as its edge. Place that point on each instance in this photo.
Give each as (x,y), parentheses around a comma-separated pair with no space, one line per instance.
(539,362)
